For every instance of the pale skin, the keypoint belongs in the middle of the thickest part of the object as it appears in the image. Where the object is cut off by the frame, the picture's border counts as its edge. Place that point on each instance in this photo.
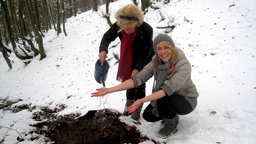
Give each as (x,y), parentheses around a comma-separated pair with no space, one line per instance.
(164,53)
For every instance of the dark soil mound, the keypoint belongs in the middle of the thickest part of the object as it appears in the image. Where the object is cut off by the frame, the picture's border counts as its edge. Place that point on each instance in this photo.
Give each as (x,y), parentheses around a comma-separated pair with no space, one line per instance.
(96,127)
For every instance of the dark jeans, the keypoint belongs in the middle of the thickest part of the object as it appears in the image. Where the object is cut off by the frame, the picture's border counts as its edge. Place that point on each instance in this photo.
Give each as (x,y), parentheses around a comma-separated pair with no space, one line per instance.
(168,107)
(136,93)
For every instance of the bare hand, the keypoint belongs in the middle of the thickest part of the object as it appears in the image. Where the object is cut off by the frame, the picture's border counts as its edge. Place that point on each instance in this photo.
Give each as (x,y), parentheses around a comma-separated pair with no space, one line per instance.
(102,57)
(100,92)
(134,106)
(134,72)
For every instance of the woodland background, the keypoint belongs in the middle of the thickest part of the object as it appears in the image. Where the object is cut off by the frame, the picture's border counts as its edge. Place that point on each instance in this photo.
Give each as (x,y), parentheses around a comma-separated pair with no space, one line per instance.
(24,22)
(218,38)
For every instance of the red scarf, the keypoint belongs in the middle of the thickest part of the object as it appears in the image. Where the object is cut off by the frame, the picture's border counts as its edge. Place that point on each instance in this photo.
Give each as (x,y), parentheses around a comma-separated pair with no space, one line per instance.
(125,61)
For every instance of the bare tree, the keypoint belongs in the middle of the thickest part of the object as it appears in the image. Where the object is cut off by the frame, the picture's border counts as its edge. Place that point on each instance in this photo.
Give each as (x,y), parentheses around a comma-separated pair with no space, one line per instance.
(36,17)
(46,19)
(145,4)
(10,33)
(5,52)
(58,17)
(74,6)
(94,5)
(51,3)
(107,14)
(38,36)
(23,23)
(135,2)
(24,30)
(63,17)
(107,7)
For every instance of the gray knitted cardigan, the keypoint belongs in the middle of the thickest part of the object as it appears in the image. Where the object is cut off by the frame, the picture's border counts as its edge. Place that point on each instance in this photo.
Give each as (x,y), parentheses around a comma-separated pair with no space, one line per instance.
(178,81)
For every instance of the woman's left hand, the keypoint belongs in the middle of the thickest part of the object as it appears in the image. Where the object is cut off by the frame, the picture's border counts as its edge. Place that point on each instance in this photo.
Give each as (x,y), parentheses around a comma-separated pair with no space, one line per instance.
(134,106)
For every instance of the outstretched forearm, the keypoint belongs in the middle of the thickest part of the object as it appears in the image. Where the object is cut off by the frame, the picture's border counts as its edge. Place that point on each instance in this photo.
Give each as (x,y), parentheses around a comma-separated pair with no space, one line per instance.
(154,96)
(128,84)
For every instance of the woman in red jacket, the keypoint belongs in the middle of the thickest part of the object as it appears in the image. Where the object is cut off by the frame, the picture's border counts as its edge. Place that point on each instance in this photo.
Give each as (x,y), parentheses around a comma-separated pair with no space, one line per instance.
(136,48)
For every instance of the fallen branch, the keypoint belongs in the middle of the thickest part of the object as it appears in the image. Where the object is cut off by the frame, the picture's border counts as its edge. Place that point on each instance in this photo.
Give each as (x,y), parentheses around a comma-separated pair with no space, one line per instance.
(165,27)
(20,138)
(168,29)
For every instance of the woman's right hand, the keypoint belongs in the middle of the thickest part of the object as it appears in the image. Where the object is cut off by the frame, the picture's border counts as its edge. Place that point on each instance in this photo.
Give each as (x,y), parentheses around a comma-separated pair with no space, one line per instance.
(102,57)
(100,92)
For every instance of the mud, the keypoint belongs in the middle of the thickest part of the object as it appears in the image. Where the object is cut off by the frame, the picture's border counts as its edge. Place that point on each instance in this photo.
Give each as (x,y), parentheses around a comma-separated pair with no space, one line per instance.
(96,127)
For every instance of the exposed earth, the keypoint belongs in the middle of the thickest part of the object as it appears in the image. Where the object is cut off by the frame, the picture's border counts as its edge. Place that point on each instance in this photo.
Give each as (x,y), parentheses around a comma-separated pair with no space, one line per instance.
(95,127)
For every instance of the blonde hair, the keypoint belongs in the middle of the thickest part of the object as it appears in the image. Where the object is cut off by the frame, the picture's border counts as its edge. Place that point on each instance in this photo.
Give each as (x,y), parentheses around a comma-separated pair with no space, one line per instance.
(132,11)
(173,59)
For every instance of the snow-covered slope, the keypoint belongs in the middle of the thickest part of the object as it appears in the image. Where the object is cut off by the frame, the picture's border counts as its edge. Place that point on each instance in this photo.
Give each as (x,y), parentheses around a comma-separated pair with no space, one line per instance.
(217,36)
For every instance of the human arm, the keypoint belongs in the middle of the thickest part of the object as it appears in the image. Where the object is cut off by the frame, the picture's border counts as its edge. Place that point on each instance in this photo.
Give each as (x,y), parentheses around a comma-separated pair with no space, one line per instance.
(102,56)
(108,37)
(134,72)
(128,84)
(154,96)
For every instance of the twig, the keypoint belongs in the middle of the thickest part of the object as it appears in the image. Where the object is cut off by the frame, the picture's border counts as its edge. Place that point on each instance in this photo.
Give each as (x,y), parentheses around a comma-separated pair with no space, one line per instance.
(9,129)
(165,27)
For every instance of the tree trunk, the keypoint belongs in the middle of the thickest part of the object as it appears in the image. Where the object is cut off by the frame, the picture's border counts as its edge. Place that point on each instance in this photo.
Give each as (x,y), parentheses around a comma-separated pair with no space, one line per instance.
(63,17)
(4,51)
(107,7)
(22,23)
(70,8)
(135,2)
(37,17)
(145,4)
(39,40)
(13,20)
(94,5)
(74,7)
(47,20)
(38,36)
(58,17)
(9,31)
(51,15)
(107,13)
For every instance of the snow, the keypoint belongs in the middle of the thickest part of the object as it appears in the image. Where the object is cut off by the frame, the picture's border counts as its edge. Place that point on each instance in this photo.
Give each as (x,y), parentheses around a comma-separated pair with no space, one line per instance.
(218,38)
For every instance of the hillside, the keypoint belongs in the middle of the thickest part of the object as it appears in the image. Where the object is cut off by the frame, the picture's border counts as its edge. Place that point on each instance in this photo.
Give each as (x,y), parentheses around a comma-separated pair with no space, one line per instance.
(218,37)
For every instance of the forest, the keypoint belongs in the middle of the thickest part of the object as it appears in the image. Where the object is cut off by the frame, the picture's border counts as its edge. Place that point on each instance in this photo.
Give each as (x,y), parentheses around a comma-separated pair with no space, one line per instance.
(24,22)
